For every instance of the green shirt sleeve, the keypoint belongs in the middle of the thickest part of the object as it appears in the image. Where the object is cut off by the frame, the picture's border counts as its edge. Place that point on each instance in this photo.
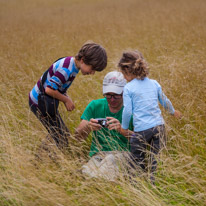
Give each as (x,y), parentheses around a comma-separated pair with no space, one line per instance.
(88,112)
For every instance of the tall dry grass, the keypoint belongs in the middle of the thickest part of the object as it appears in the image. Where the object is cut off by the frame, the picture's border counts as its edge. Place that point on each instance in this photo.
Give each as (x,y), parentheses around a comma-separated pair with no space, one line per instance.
(172,37)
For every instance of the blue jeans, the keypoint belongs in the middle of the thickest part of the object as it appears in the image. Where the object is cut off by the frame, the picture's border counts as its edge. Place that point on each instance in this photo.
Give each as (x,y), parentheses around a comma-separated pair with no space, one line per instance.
(140,142)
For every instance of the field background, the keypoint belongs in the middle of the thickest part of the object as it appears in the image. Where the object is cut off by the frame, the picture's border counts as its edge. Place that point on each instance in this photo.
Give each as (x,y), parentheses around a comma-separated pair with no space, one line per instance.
(171,34)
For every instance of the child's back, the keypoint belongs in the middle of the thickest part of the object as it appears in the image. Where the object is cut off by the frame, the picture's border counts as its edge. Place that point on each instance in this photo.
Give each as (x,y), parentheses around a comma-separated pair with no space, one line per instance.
(145,95)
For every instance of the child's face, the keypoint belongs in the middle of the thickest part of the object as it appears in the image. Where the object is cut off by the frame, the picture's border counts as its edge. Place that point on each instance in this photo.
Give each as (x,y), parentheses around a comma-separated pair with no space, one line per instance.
(86,69)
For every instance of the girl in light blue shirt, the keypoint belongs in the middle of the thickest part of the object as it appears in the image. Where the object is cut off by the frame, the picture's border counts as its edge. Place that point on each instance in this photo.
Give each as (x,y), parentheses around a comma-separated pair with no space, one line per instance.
(141,99)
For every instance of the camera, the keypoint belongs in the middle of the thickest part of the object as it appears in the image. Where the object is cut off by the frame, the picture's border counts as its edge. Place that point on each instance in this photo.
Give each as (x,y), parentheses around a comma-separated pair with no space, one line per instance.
(102,121)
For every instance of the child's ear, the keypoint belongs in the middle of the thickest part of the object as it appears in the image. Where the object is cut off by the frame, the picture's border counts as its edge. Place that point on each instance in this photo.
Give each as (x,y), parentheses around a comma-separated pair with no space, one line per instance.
(82,61)
(126,70)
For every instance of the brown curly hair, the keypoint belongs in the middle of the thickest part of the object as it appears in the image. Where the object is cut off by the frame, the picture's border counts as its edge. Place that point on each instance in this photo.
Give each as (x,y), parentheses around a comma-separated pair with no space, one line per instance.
(133,62)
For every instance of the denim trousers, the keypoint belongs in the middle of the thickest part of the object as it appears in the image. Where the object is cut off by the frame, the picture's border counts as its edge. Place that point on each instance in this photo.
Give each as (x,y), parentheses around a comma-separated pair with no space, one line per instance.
(54,125)
(145,146)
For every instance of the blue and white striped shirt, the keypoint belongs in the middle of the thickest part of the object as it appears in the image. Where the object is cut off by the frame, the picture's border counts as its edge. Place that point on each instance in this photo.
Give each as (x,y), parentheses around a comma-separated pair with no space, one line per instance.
(60,77)
(141,99)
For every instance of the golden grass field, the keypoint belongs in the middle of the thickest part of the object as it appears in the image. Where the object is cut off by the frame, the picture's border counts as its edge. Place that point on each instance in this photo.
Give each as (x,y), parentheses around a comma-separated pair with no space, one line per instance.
(171,34)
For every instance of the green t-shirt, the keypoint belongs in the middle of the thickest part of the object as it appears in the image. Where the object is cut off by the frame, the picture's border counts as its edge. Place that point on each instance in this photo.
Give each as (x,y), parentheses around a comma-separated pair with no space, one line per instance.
(104,139)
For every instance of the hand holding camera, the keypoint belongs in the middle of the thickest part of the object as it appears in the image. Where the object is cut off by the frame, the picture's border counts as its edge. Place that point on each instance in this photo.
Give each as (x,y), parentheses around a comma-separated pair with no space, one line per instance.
(110,122)
(102,122)
(97,124)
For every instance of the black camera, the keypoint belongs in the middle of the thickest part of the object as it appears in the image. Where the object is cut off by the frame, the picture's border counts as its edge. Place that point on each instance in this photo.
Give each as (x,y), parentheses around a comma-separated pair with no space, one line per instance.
(102,121)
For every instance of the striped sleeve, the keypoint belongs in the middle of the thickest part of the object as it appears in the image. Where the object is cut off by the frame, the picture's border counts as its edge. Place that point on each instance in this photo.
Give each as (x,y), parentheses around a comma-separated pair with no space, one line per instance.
(61,73)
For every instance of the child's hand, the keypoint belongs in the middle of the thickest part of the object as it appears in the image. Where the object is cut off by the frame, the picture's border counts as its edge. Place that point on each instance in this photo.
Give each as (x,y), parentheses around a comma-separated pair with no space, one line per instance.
(69,104)
(126,132)
(177,114)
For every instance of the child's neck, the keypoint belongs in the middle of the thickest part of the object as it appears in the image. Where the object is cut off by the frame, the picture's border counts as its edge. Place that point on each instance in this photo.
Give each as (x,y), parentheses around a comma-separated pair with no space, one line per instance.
(131,77)
(77,63)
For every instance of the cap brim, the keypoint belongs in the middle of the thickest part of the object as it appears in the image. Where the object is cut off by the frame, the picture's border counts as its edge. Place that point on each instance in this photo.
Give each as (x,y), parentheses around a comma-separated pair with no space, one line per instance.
(112,89)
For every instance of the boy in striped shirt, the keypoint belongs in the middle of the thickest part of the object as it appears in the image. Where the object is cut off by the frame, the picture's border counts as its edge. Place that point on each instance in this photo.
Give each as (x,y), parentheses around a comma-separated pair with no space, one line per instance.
(54,83)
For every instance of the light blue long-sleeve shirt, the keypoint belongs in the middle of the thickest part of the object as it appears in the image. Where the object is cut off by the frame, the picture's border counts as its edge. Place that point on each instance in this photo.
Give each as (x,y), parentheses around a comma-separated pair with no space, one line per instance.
(141,99)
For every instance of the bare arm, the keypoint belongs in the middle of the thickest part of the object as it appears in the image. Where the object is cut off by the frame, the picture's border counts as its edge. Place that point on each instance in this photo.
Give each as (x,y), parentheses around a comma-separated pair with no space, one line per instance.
(83,130)
(61,97)
(115,124)
(85,127)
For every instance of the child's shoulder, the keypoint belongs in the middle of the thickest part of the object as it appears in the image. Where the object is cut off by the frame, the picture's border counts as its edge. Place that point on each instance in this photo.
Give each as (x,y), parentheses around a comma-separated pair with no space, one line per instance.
(62,62)
(155,82)
(150,80)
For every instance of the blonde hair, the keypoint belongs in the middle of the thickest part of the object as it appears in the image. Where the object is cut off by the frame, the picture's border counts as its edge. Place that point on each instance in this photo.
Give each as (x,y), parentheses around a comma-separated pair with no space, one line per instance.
(134,63)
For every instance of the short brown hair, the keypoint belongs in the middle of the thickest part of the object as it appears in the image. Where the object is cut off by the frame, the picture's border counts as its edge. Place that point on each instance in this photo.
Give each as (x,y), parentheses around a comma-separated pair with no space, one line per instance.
(93,54)
(133,62)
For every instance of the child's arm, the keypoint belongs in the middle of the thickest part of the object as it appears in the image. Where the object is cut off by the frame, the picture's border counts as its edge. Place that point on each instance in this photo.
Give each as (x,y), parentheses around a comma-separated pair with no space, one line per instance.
(126,132)
(61,97)
(127,111)
(165,102)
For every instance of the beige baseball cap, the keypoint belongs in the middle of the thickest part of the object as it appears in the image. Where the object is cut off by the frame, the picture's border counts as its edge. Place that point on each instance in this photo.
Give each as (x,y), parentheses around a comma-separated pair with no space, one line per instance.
(114,82)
